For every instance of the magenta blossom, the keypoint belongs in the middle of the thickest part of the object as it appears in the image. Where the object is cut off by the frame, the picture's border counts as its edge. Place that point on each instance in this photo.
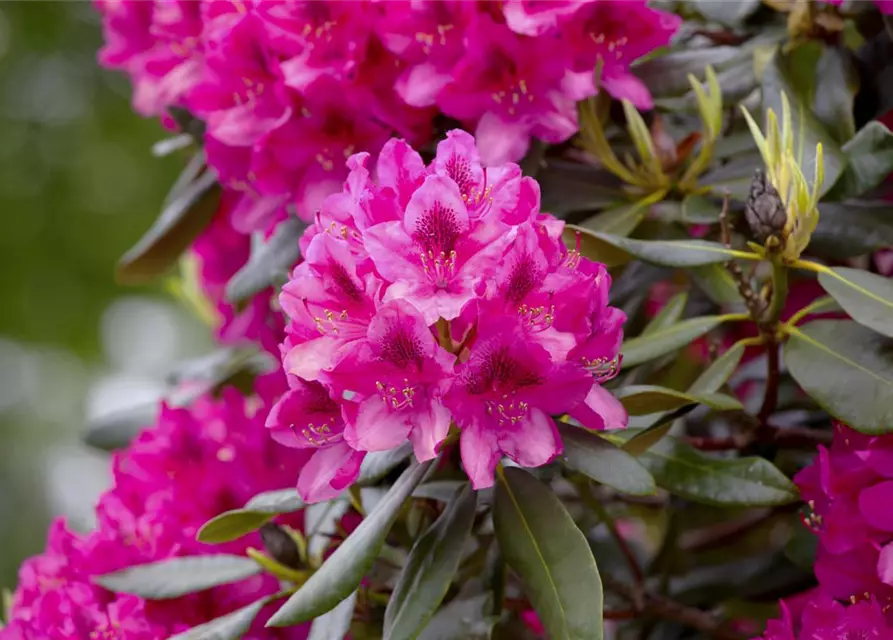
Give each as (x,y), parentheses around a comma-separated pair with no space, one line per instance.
(434,297)
(193,465)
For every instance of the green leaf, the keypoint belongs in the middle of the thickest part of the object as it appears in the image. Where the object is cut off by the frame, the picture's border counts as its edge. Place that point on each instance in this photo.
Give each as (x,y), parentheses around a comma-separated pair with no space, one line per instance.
(669,315)
(696,476)
(377,464)
(869,161)
(801,547)
(572,186)
(716,375)
(462,619)
(794,74)
(275,502)
(591,246)
(270,262)
(642,400)
(867,297)
(343,571)
(668,253)
(429,571)
(543,545)
(852,228)
(640,442)
(698,209)
(847,369)
(604,462)
(834,94)
(717,283)
(232,525)
(727,13)
(176,577)
(187,215)
(648,347)
(232,626)
(335,624)
(621,220)
(667,75)
(117,429)
(440,490)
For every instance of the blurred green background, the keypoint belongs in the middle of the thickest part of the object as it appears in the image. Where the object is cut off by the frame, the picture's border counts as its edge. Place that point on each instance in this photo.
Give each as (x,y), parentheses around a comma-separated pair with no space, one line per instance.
(78,186)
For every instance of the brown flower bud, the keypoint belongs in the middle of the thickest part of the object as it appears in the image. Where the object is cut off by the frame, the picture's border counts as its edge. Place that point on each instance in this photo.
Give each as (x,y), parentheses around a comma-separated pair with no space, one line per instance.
(280,545)
(764,210)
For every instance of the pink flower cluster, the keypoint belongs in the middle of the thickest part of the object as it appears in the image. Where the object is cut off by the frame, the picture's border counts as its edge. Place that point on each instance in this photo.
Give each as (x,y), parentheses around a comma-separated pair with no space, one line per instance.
(192,466)
(848,491)
(440,295)
(290,89)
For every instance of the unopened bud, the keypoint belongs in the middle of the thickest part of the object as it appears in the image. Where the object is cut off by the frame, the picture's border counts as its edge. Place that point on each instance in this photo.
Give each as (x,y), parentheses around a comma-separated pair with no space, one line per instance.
(764,210)
(280,545)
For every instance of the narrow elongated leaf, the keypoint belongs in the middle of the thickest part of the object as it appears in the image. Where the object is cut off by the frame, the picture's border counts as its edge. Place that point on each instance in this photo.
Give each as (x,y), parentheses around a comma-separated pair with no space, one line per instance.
(335,624)
(571,186)
(728,13)
(543,545)
(716,375)
(440,490)
(847,369)
(669,315)
(641,400)
(428,572)
(462,619)
(696,476)
(668,253)
(182,220)
(648,347)
(378,464)
(178,576)
(232,626)
(604,462)
(867,297)
(869,161)
(342,573)
(698,209)
(278,501)
(717,283)
(640,442)
(270,261)
(624,219)
(232,525)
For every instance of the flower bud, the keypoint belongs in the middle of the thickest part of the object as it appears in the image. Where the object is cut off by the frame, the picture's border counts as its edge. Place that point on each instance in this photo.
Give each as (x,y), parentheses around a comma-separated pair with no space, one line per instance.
(765,211)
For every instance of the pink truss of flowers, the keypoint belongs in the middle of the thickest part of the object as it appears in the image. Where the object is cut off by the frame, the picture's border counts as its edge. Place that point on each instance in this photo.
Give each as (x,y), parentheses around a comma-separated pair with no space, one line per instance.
(439,294)
(289,90)
(848,491)
(193,465)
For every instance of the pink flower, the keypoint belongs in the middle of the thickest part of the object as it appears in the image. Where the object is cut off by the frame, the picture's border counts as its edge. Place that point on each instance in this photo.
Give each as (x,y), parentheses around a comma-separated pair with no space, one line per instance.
(438,295)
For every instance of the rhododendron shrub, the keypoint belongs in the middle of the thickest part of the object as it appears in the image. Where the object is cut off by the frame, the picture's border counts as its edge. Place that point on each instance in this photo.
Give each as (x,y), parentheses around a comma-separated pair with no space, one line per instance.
(565,320)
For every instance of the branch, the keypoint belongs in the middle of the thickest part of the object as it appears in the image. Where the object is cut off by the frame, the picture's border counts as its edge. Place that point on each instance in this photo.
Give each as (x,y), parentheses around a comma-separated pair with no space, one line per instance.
(669,609)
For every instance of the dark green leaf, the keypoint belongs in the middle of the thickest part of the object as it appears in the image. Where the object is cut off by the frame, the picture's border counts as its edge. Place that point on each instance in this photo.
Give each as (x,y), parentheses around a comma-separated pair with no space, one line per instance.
(620,220)
(644,348)
(116,430)
(667,75)
(698,209)
(429,571)
(335,624)
(270,262)
(802,546)
(728,13)
(571,186)
(643,440)
(440,490)
(696,476)
(794,74)
(641,400)
(717,283)
(343,571)
(543,545)
(232,525)
(834,94)
(232,626)
(182,220)
(669,253)
(669,315)
(591,246)
(604,462)
(869,161)
(847,369)
(278,501)
(176,577)
(853,228)
(867,297)
(461,619)
(378,464)
(716,375)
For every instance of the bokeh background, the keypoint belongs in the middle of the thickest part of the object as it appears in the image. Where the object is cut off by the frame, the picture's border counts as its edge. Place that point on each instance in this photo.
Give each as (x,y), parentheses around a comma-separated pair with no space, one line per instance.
(78,186)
